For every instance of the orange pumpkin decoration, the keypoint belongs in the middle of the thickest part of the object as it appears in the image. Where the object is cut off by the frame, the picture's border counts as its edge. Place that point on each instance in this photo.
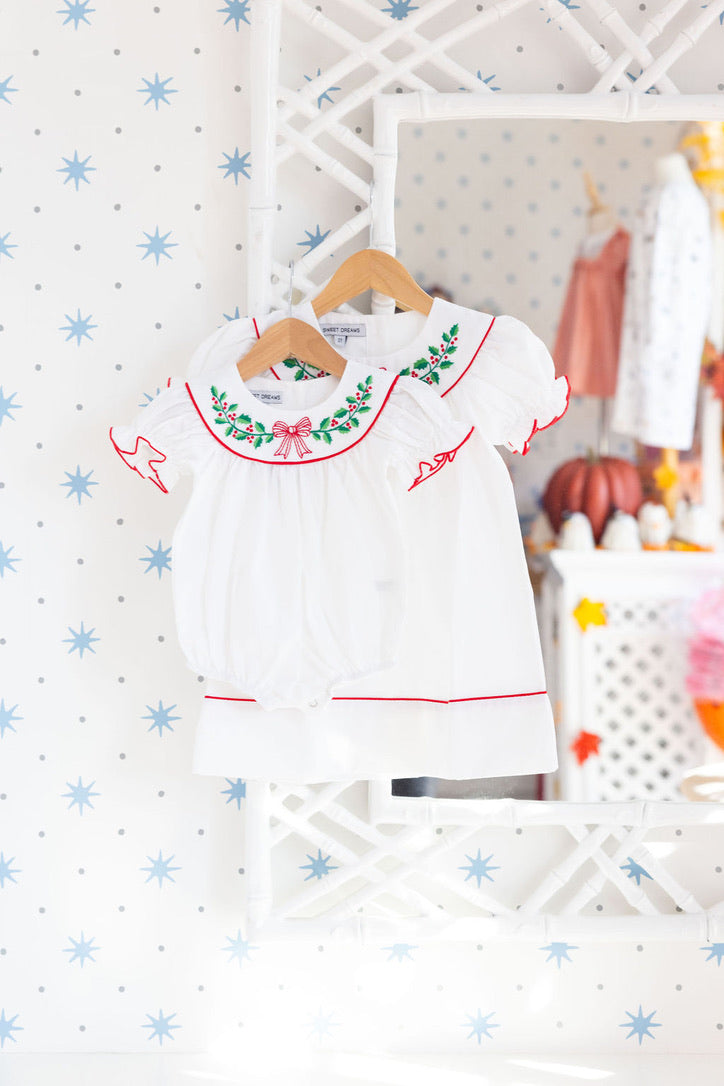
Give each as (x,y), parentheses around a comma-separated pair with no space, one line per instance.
(596,486)
(711,715)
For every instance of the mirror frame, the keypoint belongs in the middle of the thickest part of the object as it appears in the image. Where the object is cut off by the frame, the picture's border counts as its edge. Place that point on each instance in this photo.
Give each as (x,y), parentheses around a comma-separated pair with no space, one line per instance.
(390,111)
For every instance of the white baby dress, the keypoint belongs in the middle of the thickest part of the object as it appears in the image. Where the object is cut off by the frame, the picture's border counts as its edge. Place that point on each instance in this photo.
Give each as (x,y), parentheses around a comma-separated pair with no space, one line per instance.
(466,696)
(288,560)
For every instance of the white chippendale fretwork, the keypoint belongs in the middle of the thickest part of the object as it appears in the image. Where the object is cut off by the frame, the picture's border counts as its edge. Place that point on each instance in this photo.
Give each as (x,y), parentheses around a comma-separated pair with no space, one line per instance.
(336,862)
(438,46)
(349,858)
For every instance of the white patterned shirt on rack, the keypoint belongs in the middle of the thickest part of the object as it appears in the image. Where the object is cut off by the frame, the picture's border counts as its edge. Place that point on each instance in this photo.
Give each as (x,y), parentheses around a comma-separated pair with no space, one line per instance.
(288,562)
(667,302)
(466,696)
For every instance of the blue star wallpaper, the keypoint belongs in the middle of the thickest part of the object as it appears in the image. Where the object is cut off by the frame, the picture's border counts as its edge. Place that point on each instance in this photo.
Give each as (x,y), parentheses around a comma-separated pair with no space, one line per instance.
(125,163)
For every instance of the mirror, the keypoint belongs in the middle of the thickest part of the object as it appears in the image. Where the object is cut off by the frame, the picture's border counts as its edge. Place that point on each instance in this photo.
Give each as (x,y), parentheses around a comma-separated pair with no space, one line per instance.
(491,213)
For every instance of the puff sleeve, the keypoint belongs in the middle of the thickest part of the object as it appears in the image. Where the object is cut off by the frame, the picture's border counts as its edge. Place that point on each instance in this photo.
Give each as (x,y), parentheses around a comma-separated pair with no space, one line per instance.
(511,391)
(154,444)
(423,433)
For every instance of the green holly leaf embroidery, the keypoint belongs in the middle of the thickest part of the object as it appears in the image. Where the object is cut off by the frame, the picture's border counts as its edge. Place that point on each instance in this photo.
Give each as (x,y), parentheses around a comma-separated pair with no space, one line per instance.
(425,369)
(257,433)
(299,375)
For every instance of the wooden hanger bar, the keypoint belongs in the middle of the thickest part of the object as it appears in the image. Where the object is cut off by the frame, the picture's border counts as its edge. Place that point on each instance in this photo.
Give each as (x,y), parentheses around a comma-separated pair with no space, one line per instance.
(291,338)
(371,269)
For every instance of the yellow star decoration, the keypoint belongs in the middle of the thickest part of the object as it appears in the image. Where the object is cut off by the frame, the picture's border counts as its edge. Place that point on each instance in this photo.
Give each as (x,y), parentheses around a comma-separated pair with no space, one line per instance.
(590,613)
(665,477)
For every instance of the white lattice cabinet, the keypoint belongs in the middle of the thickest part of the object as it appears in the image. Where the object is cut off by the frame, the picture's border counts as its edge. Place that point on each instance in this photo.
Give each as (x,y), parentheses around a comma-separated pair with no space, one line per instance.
(616,670)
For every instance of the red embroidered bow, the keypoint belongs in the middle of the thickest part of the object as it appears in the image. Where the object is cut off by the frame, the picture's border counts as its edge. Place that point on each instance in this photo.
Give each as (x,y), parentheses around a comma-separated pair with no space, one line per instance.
(292,435)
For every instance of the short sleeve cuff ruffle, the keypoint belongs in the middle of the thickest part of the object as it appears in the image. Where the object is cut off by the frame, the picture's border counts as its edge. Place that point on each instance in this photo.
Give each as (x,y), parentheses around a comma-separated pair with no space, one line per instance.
(512,387)
(158,442)
(425,434)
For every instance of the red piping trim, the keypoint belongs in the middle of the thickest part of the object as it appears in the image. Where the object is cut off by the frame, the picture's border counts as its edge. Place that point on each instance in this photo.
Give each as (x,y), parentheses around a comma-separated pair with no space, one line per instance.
(482,341)
(439,461)
(431,701)
(123,453)
(293,463)
(539,429)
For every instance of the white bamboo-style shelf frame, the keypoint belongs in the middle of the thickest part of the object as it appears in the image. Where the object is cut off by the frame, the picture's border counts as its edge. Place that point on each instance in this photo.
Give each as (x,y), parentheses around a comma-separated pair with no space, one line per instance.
(392,864)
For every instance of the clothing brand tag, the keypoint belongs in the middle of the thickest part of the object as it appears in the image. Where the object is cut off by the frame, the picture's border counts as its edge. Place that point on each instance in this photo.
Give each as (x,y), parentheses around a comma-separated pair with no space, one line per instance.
(344,329)
(268,397)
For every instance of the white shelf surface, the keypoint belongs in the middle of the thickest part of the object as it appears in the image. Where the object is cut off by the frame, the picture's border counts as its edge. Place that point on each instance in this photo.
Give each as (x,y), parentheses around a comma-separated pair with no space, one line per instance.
(350,1069)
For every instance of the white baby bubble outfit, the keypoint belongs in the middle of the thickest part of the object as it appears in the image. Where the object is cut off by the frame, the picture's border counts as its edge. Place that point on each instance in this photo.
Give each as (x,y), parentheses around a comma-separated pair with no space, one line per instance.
(288,561)
(466,696)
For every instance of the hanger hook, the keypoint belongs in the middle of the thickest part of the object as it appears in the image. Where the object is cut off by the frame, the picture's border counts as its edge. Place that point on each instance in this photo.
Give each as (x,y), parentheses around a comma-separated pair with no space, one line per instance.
(291,285)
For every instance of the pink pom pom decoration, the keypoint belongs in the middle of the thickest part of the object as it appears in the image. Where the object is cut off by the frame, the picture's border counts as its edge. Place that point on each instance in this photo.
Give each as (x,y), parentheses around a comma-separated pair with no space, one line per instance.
(705,675)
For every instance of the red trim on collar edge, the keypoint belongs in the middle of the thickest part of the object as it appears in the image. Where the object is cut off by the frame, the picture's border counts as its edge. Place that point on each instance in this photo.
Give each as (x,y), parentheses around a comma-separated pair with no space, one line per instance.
(293,463)
(482,341)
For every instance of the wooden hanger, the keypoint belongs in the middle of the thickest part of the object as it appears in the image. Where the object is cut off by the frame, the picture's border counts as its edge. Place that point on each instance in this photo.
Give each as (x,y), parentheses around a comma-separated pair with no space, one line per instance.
(595,202)
(291,338)
(371,269)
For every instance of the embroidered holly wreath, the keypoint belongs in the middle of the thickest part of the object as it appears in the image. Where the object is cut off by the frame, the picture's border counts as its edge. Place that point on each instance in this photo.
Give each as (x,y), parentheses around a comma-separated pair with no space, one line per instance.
(242,427)
(427,369)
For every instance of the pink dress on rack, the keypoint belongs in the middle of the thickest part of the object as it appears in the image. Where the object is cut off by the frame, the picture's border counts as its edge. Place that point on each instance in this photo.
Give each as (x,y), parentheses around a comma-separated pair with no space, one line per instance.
(587,343)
